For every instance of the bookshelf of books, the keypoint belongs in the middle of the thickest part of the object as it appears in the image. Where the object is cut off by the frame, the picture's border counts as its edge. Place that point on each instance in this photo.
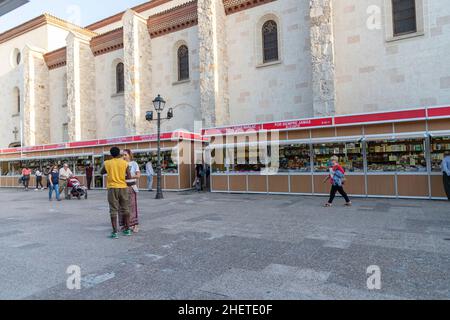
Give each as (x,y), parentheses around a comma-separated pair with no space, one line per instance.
(350,156)
(295,158)
(439,147)
(406,155)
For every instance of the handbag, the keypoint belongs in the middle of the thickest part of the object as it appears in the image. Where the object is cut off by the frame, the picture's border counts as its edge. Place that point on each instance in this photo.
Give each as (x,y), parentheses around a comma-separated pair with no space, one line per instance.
(132,183)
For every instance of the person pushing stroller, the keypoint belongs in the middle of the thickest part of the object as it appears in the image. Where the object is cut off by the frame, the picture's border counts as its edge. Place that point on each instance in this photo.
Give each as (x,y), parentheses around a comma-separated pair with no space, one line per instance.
(76,189)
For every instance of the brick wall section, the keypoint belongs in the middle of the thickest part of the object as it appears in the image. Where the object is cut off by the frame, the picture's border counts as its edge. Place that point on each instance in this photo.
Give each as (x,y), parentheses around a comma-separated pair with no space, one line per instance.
(107,42)
(178,18)
(56,59)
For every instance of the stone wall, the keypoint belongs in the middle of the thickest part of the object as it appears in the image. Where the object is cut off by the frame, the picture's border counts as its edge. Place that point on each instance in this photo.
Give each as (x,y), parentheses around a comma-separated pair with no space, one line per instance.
(109,105)
(88,91)
(12,77)
(36,110)
(322,51)
(214,63)
(335,57)
(57,103)
(81,88)
(375,72)
(138,72)
(278,90)
(183,96)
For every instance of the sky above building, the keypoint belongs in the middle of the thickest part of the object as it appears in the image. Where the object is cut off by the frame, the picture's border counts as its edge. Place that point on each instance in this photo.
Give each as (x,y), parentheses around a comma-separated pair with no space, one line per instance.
(80,12)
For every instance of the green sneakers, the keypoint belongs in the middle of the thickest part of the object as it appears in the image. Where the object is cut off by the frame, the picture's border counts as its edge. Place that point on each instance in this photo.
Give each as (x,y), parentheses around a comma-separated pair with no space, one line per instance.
(127,232)
(115,235)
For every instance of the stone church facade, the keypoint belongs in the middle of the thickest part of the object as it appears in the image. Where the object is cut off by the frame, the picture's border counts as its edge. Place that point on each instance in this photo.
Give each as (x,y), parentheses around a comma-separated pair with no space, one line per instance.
(222,62)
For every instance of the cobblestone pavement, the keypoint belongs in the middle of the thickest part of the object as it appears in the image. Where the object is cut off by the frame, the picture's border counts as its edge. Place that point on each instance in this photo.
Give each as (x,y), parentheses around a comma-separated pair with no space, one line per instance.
(224,246)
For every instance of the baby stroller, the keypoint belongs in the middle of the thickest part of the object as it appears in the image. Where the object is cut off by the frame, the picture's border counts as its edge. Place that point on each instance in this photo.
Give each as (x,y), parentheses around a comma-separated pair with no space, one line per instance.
(76,189)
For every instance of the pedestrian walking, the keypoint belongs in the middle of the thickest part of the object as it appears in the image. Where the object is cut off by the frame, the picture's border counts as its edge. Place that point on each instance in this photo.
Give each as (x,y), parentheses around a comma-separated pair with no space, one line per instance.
(64,174)
(133,190)
(53,180)
(47,171)
(89,175)
(38,175)
(337,179)
(117,172)
(208,177)
(446,173)
(150,173)
(26,176)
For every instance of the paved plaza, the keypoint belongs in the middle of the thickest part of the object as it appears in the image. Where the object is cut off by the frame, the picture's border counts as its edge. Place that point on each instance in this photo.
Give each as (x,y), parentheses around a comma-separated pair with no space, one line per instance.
(225,246)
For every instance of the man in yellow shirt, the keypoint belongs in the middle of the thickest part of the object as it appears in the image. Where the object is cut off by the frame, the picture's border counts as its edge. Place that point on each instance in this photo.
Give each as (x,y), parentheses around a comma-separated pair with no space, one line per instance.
(117,172)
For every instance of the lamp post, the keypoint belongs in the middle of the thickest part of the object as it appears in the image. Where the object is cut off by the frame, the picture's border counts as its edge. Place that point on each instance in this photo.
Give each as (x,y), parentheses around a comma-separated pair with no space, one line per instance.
(159,104)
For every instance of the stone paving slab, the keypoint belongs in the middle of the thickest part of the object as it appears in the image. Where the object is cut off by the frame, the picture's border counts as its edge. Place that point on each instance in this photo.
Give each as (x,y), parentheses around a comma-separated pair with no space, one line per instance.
(225,246)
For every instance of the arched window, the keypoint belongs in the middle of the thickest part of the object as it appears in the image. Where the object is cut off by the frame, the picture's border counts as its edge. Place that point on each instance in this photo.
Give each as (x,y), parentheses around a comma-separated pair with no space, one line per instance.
(18,57)
(120,78)
(17,102)
(183,63)
(270,41)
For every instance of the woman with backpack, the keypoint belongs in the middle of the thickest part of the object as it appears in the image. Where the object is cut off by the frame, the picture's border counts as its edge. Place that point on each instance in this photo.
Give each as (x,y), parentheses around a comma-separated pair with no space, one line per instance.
(337,179)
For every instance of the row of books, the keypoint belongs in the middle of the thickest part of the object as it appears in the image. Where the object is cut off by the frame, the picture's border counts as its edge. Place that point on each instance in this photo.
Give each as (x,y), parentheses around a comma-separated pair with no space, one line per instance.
(332,151)
(397,148)
(440,147)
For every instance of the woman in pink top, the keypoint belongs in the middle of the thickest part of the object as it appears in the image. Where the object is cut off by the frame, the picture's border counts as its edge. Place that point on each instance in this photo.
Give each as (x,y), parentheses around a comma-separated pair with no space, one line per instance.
(26,174)
(337,178)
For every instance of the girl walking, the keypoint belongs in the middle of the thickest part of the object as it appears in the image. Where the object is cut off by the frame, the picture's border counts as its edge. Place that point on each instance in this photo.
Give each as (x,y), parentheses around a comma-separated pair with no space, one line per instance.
(53,179)
(26,175)
(337,177)
(135,174)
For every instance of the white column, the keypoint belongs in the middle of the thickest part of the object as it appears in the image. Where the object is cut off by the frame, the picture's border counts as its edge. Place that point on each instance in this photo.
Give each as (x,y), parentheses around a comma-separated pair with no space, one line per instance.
(35,111)
(213,63)
(80,88)
(322,51)
(137,62)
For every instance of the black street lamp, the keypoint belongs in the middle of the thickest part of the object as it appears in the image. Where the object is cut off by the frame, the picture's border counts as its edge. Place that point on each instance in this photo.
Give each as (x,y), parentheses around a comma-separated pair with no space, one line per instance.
(159,105)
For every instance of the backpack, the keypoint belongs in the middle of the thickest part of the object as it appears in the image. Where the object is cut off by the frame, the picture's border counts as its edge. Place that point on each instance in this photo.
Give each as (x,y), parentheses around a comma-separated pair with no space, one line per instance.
(339,178)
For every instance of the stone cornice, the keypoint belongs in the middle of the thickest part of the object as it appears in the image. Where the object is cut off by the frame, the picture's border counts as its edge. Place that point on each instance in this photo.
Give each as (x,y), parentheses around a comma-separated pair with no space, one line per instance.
(107,42)
(174,19)
(117,17)
(136,15)
(40,21)
(233,6)
(56,59)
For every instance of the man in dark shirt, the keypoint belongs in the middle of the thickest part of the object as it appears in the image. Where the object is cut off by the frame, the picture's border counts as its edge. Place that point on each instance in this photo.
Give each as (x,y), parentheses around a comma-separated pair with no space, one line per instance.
(89,175)
(47,171)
